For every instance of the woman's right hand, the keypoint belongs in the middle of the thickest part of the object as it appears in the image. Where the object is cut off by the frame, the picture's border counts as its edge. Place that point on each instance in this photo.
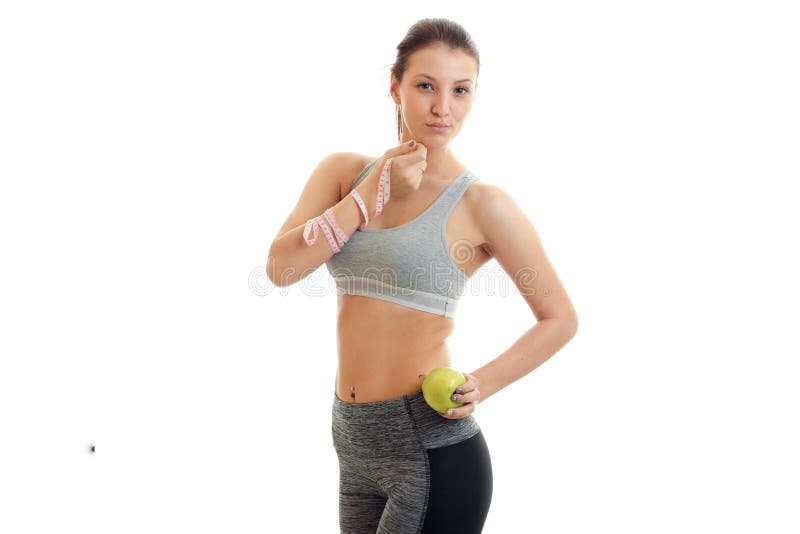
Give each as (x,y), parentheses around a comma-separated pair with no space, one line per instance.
(408,164)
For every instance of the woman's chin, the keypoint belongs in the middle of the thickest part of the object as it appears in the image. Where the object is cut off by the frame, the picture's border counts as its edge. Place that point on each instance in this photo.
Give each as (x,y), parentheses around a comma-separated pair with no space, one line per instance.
(435,140)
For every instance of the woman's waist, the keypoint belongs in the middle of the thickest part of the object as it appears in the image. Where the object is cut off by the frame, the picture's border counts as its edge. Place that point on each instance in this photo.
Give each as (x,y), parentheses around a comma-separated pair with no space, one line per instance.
(385,372)
(386,361)
(384,347)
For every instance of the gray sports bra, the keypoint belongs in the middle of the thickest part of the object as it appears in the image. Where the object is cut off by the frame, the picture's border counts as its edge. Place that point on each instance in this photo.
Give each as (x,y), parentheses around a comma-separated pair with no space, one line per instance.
(408,264)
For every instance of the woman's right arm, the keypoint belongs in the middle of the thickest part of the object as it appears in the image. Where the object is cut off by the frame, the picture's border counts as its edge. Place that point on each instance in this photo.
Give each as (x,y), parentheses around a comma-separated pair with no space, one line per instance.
(290,258)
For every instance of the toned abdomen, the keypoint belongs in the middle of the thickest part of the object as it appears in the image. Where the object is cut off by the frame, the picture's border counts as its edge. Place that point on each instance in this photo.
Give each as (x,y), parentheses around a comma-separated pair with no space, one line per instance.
(383,347)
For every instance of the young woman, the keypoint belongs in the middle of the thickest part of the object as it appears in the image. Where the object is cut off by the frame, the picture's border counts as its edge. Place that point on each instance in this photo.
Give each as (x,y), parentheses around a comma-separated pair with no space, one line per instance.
(401,234)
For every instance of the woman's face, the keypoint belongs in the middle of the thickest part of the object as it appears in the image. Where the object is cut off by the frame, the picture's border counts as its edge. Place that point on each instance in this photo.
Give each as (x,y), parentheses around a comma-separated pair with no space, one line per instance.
(438,87)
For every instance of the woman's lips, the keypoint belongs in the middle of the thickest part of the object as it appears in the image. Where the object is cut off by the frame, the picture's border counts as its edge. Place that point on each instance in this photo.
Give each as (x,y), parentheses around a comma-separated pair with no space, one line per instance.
(439,129)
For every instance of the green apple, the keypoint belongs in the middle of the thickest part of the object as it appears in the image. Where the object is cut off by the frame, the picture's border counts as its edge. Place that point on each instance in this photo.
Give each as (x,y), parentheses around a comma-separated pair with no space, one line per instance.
(439,386)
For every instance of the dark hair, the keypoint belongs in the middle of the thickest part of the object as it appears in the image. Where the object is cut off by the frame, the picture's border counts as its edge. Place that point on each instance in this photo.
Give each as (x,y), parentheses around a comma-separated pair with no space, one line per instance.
(430,31)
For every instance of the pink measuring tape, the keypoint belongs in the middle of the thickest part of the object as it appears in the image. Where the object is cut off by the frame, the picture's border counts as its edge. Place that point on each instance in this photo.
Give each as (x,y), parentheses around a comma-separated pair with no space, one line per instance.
(315,223)
(384,189)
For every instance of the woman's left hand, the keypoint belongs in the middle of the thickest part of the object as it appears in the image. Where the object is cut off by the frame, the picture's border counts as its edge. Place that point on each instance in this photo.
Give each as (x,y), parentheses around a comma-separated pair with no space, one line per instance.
(467,393)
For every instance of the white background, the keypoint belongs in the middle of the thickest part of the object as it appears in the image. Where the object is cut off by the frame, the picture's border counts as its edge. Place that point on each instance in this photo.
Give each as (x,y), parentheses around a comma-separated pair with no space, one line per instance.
(151,150)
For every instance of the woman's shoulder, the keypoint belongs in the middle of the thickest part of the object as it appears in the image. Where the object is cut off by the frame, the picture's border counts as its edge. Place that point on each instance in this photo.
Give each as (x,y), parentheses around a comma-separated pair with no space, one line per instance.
(353,159)
(483,198)
(349,166)
(480,191)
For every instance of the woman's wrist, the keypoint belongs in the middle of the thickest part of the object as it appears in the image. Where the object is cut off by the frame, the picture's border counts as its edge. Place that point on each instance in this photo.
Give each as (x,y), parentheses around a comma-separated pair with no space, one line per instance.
(368,190)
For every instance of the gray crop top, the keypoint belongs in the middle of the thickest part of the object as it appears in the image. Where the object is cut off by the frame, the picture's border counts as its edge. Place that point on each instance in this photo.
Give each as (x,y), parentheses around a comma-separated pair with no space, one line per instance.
(408,264)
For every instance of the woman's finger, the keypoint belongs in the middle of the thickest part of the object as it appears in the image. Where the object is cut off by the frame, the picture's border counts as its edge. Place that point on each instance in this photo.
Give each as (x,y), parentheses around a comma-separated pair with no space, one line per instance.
(461,411)
(469,396)
(467,386)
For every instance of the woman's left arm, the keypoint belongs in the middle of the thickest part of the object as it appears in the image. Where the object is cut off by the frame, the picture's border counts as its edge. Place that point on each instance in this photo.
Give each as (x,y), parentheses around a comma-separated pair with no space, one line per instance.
(512,240)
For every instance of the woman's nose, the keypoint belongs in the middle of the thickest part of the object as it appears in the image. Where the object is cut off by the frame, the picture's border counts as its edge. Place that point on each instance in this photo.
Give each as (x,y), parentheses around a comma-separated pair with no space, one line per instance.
(440,106)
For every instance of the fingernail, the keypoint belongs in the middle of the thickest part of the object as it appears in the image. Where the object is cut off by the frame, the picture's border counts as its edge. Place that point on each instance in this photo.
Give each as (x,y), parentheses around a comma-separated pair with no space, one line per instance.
(460,390)
(455,397)
(411,143)
(450,412)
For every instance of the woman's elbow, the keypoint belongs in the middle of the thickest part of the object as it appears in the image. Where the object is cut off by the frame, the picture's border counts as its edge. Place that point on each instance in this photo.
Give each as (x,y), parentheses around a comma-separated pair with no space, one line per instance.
(275,272)
(572,325)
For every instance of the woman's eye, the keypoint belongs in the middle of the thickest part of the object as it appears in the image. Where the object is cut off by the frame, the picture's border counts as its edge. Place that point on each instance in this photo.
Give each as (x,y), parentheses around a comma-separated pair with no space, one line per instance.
(466,91)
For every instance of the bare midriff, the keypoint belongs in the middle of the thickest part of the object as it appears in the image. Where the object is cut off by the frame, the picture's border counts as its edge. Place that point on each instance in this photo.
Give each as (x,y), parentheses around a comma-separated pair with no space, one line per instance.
(384,347)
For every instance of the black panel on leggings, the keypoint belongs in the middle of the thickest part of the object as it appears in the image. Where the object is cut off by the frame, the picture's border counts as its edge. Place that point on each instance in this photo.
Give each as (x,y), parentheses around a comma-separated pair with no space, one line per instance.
(460,487)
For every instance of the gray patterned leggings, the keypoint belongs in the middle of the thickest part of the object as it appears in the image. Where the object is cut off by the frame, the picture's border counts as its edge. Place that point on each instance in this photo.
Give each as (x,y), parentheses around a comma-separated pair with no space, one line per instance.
(403,468)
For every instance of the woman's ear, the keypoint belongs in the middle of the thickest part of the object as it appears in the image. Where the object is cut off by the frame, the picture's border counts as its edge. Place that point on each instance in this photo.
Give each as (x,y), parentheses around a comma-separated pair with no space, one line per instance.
(393,86)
